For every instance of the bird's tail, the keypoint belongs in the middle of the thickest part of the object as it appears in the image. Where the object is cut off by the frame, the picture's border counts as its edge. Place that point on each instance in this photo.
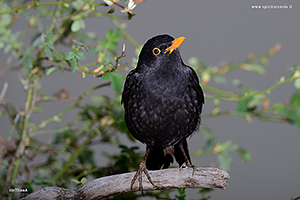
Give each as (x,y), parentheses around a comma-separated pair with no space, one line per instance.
(157,159)
(179,156)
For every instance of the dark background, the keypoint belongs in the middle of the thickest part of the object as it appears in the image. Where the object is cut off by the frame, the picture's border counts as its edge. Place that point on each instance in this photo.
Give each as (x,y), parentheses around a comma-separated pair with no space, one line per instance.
(215,31)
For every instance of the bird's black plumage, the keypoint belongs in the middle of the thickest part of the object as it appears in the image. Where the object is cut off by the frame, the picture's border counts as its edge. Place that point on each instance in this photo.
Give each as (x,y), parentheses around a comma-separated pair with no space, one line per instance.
(162,100)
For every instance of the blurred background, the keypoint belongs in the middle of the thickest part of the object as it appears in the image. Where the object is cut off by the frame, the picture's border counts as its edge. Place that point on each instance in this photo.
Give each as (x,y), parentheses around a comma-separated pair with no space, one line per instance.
(216,32)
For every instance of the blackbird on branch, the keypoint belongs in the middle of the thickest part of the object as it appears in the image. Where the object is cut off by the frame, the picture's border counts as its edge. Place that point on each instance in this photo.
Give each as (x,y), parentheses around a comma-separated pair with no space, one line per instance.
(163,102)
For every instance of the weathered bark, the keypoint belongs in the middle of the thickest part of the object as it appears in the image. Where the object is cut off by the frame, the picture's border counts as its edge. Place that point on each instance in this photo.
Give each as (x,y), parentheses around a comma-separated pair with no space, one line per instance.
(205,177)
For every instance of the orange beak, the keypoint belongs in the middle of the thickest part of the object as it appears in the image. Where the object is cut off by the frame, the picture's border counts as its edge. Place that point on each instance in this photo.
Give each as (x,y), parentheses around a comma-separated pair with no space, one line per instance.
(175,44)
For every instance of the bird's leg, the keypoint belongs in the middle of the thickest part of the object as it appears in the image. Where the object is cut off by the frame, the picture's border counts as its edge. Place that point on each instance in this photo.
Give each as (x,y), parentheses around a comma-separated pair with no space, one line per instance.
(139,173)
(187,162)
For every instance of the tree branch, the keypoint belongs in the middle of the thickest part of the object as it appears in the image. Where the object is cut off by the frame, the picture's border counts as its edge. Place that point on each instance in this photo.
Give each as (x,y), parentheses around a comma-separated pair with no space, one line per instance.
(205,177)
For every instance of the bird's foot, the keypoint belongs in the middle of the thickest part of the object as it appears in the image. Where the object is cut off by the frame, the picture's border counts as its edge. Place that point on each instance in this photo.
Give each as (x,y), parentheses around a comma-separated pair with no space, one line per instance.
(184,165)
(138,174)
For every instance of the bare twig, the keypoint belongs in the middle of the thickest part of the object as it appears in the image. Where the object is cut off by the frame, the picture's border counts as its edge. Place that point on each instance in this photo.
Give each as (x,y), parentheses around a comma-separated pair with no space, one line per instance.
(3,92)
(205,177)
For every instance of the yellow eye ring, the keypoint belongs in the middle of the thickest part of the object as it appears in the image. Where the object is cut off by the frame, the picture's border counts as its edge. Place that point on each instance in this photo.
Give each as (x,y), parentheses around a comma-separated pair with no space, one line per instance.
(156,51)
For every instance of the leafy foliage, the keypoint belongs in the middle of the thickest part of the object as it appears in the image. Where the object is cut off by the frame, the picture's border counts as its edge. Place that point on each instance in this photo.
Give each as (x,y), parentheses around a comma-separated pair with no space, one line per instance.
(68,157)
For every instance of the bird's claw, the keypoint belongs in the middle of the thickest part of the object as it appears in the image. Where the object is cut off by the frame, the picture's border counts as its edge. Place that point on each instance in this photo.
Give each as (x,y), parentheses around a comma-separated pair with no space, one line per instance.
(138,174)
(184,165)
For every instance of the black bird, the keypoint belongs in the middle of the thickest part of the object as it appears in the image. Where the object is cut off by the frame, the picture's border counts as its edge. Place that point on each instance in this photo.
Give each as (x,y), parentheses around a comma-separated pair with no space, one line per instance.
(163,102)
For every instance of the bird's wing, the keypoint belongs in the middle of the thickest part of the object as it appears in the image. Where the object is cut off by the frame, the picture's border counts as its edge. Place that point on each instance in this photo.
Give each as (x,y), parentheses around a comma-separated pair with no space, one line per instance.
(195,84)
(130,81)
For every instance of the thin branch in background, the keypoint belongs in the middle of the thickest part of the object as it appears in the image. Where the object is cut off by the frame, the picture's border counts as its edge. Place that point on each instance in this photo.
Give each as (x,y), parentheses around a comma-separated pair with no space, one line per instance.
(7,66)
(3,92)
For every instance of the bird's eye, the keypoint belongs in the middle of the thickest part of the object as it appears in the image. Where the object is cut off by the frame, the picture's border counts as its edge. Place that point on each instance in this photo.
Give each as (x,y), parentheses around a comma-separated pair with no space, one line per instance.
(156,51)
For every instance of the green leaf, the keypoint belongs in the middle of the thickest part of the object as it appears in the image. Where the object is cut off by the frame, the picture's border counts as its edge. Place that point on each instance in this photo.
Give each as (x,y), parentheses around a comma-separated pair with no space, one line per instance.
(181,195)
(56,57)
(49,37)
(79,55)
(256,101)
(121,146)
(36,38)
(113,36)
(224,146)
(78,4)
(5,19)
(295,100)
(70,55)
(107,77)
(242,106)
(103,43)
(27,58)
(180,191)
(48,52)
(279,108)
(111,45)
(75,181)
(50,45)
(73,64)
(92,51)
(97,99)
(83,181)
(51,70)
(29,187)
(77,25)
(297,83)
(246,156)
(165,193)
(116,81)
(7,48)
(116,36)
(42,44)
(109,32)
(133,148)
(28,62)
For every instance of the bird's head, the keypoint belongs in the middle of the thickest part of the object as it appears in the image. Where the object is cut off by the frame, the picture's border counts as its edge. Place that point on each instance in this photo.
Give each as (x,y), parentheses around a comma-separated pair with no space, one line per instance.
(159,50)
